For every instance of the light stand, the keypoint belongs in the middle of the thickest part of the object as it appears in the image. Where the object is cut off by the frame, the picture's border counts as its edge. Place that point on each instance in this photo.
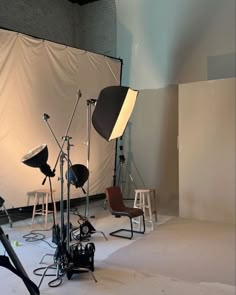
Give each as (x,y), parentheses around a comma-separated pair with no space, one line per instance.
(5,210)
(63,253)
(19,269)
(63,257)
(90,103)
(120,169)
(86,228)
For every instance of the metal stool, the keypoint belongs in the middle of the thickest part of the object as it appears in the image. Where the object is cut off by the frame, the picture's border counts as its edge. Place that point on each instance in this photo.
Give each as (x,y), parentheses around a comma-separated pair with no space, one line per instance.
(42,195)
(146,199)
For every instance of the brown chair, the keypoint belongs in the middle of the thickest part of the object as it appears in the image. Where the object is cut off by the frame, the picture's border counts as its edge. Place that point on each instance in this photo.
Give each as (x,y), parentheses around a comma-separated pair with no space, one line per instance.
(118,208)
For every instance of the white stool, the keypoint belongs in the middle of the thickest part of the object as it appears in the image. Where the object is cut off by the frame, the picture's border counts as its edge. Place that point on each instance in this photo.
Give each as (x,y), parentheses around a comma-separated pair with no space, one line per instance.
(145,199)
(42,195)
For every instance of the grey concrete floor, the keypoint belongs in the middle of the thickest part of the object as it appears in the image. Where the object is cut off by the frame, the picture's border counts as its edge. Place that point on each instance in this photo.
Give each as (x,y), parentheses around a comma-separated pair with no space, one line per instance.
(180,256)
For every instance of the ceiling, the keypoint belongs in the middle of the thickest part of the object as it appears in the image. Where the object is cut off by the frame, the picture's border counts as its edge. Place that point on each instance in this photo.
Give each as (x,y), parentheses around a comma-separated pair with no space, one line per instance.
(82,2)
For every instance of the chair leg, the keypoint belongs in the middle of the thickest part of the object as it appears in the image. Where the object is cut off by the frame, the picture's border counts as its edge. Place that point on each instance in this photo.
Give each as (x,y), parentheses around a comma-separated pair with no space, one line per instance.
(144,228)
(131,230)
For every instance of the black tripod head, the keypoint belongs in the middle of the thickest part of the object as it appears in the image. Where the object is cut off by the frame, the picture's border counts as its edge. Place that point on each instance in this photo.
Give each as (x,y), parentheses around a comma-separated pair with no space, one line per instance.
(122,159)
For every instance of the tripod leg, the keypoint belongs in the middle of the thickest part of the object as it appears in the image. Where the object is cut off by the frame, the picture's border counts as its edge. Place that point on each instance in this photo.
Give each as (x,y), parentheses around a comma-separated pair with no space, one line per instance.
(118,175)
(15,259)
(8,216)
(120,180)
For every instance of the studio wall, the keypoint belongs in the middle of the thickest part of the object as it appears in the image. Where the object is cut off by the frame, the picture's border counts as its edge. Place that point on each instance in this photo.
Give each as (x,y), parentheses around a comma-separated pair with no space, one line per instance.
(150,147)
(207,150)
(168,42)
(54,20)
(164,43)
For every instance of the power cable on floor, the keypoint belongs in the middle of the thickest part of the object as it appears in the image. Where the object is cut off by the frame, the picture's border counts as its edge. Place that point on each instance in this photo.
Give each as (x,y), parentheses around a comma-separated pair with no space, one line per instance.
(35,236)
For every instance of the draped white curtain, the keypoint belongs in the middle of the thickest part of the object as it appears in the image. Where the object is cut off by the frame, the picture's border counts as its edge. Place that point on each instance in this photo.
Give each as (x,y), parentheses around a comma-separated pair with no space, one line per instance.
(37,77)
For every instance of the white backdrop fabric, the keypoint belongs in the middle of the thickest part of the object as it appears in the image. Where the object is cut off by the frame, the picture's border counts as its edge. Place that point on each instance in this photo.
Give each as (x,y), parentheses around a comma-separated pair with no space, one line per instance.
(37,77)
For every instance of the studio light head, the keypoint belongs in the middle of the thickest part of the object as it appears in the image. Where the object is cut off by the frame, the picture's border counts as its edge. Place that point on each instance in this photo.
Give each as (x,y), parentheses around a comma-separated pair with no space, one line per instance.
(77,175)
(113,110)
(37,158)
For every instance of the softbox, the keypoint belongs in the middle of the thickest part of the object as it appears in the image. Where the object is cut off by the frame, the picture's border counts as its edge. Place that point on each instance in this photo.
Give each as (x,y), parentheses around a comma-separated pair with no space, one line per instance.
(113,109)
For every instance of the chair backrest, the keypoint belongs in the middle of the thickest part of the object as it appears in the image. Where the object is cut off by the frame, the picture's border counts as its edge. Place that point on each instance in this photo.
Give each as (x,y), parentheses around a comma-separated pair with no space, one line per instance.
(114,198)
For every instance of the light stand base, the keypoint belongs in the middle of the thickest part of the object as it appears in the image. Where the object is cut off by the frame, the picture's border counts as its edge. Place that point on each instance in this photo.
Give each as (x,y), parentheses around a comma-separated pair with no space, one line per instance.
(65,265)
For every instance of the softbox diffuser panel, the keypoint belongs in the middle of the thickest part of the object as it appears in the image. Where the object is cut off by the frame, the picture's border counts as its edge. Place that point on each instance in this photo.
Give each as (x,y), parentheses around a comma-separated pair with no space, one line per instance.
(113,109)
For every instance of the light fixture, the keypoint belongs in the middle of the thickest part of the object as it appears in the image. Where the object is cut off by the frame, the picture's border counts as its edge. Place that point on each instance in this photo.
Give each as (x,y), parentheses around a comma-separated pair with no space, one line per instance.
(113,110)
(77,175)
(37,158)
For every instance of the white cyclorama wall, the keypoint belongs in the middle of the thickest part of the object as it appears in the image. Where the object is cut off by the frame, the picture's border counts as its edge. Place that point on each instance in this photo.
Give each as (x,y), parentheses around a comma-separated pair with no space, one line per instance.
(175,41)
(38,77)
(169,42)
(150,146)
(207,150)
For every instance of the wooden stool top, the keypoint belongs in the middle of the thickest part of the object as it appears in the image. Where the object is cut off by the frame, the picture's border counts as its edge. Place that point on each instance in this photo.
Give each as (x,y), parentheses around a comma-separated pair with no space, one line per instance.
(42,191)
(144,190)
